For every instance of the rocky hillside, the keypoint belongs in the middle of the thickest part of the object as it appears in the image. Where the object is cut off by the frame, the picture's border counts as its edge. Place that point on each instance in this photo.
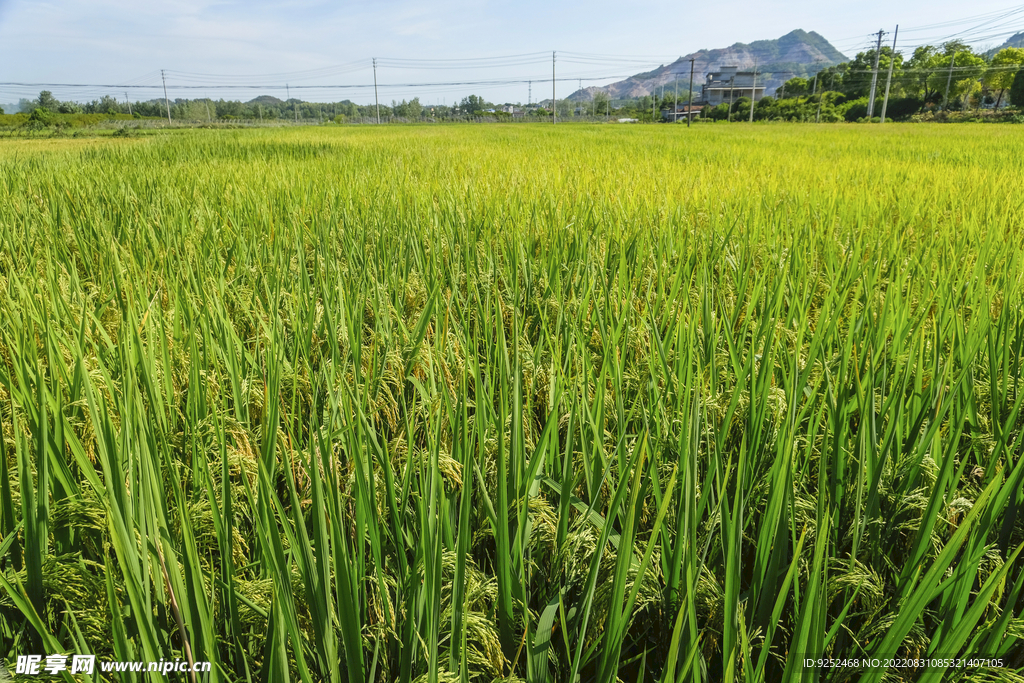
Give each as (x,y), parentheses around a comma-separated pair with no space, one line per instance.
(1016,40)
(798,53)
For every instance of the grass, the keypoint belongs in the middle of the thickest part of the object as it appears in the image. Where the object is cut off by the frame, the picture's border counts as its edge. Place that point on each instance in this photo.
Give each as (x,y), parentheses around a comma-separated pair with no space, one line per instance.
(515,403)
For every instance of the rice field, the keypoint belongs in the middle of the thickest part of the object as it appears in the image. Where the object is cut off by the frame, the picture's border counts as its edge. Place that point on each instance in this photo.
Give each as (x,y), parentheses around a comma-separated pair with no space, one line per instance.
(530,403)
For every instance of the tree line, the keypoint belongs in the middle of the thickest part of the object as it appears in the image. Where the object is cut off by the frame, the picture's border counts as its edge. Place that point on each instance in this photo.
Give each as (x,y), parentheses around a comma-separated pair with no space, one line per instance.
(952,76)
(271,108)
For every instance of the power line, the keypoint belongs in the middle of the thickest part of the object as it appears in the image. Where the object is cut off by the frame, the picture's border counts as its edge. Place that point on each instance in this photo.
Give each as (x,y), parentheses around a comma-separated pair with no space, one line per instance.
(981,26)
(943,24)
(289,76)
(506,81)
(987,22)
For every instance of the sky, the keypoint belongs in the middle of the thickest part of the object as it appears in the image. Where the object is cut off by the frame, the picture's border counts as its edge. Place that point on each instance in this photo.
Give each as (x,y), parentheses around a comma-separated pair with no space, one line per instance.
(438,51)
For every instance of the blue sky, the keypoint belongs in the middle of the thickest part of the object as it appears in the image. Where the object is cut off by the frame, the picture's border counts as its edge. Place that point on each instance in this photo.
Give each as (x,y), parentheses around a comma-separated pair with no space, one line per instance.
(308,43)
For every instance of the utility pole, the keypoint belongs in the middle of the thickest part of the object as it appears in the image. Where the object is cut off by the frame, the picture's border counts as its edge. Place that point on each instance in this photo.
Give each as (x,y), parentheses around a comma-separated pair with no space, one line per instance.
(166,102)
(888,79)
(689,106)
(817,115)
(207,103)
(129,102)
(529,95)
(376,98)
(675,101)
(949,79)
(874,76)
(583,110)
(731,92)
(260,107)
(554,109)
(753,93)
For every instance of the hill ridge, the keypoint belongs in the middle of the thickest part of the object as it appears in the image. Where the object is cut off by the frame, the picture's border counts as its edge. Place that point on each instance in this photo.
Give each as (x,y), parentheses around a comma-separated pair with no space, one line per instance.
(797,53)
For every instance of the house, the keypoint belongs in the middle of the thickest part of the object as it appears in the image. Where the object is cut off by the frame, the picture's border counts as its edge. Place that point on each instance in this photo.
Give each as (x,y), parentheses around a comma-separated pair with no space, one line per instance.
(681,112)
(729,84)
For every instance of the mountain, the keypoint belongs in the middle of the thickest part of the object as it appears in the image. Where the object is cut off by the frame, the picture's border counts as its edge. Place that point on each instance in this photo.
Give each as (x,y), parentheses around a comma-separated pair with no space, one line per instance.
(798,53)
(1016,40)
(266,101)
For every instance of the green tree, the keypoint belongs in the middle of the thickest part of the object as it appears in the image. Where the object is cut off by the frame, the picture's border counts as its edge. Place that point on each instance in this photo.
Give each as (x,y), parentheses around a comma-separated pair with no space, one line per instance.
(741,106)
(1002,72)
(795,87)
(41,117)
(718,113)
(48,101)
(966,69)
(833,77)
(231,108)
(411,109)
(918,69)
(765,109)
(957,58)
(109,105)
(1017,90)
(952,47)
(858,72)
(472,104)
(644,107)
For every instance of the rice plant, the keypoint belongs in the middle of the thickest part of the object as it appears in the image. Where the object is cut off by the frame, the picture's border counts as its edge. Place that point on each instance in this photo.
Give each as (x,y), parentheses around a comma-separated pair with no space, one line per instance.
(518,404)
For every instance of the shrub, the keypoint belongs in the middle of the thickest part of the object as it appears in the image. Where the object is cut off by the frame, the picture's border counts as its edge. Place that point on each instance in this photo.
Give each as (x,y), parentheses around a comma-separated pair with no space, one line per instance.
(741,105)
(41,116)
(854,110)
(1017,90)
(720,112)
(902,108)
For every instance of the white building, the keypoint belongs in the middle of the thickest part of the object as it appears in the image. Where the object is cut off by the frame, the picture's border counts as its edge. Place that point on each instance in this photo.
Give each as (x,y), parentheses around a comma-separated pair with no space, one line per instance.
(730,84)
